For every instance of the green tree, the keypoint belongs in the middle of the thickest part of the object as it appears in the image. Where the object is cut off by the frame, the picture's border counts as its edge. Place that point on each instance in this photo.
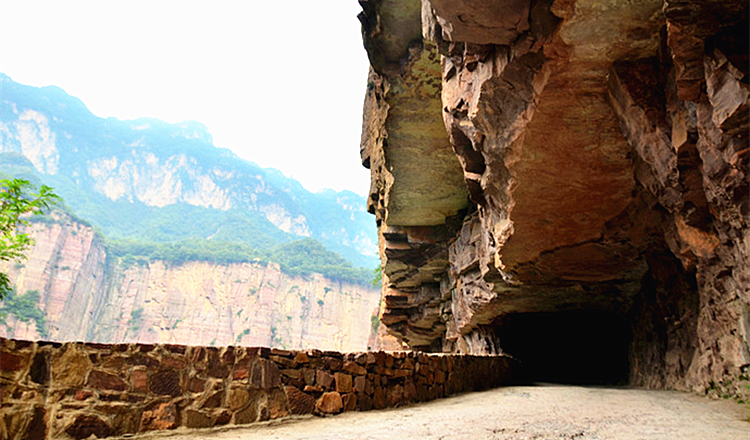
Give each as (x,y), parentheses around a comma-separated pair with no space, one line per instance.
(18,197)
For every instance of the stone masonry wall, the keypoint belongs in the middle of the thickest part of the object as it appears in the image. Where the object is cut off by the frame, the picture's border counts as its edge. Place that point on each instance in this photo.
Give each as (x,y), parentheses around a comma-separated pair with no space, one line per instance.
(75,390)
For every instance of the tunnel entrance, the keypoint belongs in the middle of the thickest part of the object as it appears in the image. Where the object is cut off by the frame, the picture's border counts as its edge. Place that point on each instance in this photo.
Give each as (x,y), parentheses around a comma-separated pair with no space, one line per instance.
(575,347)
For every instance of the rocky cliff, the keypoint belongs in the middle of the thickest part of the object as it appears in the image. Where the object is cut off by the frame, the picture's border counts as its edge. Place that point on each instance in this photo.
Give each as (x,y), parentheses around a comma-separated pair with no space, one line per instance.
(86,296)
(564,178)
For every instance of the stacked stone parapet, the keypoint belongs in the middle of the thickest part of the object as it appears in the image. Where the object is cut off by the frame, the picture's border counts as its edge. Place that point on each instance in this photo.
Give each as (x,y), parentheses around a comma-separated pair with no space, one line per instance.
(75,390)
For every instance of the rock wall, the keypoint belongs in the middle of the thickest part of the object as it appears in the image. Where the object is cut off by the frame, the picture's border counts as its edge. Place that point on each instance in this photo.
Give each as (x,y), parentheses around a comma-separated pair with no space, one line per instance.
(593,163)
(87,297)
(75,390)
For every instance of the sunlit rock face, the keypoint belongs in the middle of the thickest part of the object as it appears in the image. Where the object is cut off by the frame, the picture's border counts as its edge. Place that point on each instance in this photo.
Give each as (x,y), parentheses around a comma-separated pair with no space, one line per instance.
(601,150)
(85,295)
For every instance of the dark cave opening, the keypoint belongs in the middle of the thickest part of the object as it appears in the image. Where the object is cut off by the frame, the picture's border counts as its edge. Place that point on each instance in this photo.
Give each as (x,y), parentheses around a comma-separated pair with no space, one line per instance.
(574,347)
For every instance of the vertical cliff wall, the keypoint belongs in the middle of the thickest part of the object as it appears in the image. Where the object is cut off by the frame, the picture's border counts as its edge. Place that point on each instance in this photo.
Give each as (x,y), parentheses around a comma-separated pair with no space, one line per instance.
(586,195)
(85,296)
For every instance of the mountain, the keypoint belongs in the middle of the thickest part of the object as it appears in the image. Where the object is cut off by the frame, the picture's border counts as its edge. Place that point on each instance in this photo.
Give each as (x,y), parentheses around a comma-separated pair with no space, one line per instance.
(146,180)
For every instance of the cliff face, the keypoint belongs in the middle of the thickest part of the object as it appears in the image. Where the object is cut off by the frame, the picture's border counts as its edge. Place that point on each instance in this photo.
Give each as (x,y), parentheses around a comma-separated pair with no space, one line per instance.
(589,187)
(87,297)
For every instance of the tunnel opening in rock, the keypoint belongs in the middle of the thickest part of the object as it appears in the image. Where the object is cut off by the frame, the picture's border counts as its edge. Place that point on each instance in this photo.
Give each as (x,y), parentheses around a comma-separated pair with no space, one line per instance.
(582,347)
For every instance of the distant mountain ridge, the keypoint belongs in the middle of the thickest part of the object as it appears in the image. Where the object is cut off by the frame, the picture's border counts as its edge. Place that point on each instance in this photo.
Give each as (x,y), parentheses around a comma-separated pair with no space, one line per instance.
(148,180)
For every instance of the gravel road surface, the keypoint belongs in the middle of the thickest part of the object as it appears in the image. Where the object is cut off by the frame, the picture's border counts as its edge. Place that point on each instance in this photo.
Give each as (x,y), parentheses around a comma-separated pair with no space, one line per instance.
(527,412)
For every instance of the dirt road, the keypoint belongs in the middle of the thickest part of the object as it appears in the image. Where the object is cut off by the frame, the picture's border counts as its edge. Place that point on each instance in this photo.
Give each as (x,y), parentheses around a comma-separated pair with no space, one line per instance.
(536,412)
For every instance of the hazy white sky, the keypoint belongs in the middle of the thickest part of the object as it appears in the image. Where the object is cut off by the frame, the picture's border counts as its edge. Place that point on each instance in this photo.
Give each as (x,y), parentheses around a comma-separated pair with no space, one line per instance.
(281,83)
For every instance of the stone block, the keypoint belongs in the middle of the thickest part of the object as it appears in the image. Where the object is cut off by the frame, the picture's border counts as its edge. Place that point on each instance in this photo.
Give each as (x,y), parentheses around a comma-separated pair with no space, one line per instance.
(214,400)
(163,416)
(197,419)
(379,398)
(216,367)
(364,402)
(333,364)
(237,398)
(329,403)
(39,372)
(139,380)
(360,384)
(292,373)
(402,373)
(301,358)
(174,362)
(165,383)
(222,418)
(247,415)
(265,375)
(350,402)
(196,385)
(277,404)
(313,389)
(71,368)
(82,395)
(242,369)
(343,382)
(38,426)
(299,403)
(281,352)
(395,396)
(323,379)
(85,426)
(309,376)
(361,358)
(282,361)
(101,380)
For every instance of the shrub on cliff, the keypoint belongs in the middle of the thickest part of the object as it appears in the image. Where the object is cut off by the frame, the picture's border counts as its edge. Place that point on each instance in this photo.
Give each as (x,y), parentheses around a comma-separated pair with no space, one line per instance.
(17,199)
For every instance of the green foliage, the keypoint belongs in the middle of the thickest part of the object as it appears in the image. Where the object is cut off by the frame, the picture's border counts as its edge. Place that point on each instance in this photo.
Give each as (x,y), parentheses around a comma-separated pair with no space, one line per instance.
(241,335)
(374,324)
(377,279)
(18,198)
(135,319)
(25,308)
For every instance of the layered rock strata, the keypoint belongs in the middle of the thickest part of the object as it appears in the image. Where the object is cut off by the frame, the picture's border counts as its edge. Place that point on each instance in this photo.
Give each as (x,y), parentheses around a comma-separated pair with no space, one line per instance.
(75,390)
(602,151)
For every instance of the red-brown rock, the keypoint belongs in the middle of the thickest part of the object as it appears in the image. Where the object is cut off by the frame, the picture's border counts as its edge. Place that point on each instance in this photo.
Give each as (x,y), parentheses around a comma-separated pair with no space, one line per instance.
(299,403)
(329,403)
(163,416)
(105,381)
(85,426)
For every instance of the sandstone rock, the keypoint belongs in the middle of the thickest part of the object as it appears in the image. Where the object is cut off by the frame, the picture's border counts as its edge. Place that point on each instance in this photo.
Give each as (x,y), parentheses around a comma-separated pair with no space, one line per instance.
(324,379)
(343,382)
(163,416)
(71,368)
(299,403)
(329,403)
(85,426)
(247,415)
(105,381)
(265,375)
(165,383)
(603,151)
(278,405)
(139,381)
(350,402)
(237,398)
(197,419)
(74,295)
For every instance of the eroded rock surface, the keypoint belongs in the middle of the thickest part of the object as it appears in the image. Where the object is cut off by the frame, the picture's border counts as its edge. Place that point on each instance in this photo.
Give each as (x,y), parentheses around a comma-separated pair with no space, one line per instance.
(602,151)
